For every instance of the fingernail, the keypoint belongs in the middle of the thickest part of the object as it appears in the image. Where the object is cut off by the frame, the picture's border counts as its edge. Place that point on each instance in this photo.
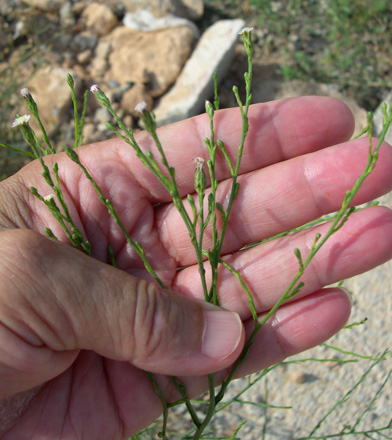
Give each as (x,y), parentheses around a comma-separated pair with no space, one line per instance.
(348,293)
(222,334)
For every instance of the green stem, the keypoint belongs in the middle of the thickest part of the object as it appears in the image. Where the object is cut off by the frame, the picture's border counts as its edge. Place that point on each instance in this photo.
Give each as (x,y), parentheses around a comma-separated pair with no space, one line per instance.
(211,408)
(109,206)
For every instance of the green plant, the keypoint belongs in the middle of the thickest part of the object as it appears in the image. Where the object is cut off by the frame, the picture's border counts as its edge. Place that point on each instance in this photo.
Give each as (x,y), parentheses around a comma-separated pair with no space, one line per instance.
(196,222)
(14,56)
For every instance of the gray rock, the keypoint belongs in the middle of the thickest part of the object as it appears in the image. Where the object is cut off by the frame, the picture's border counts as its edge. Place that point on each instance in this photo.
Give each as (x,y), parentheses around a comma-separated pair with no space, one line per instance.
(378,120)
(213,53)
(85,41)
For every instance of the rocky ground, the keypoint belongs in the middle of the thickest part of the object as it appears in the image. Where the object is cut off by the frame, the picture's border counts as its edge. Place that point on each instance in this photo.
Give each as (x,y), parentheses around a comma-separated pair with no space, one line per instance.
(43,40)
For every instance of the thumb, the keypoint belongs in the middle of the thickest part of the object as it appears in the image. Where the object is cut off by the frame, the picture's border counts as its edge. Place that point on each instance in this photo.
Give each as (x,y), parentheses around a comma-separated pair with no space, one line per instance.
(55,301)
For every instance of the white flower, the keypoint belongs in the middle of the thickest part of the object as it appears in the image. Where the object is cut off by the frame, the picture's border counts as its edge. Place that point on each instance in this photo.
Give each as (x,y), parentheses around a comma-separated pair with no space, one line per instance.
(20,120)
(141,107)
(49,197)
(25,92)
(245,30)
(94,88)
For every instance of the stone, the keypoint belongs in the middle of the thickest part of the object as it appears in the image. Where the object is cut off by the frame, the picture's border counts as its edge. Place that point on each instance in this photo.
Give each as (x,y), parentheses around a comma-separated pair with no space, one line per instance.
(151,58)
(297,377)
(191,9)
(99,63)
(88,132)
(102,115)
(84,41)
(213,53)
(378,119)
(144,20)
(84,57)
(46,5)
(67,17)
(103,49)
(128,121)
(52,94)
(7,7)
(133,96)
(99,19)
(97,68)
(78,8)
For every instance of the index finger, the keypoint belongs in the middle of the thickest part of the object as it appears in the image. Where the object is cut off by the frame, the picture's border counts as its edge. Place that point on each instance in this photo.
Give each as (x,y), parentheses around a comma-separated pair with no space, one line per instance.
(278,130)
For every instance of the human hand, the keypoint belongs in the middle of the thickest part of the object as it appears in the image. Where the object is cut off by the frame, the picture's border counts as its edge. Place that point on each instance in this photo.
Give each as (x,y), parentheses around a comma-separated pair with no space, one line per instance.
(76,333)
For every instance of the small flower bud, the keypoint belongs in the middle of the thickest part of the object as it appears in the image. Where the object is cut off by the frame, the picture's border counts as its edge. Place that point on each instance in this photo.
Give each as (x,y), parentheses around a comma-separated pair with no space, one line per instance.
(71,154)
(31,105)
(147,118)
(100,96)
(209,109)
(49,197)
(200,175)
(25,92)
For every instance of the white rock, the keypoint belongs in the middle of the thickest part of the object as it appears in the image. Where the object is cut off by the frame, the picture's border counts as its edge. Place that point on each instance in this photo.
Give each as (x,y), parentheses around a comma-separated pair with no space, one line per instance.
(143,20)
(192,9)
(213,53)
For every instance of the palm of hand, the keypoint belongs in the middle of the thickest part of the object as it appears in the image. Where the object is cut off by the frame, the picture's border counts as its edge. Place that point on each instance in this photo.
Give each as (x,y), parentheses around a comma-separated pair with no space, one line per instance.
(98,397)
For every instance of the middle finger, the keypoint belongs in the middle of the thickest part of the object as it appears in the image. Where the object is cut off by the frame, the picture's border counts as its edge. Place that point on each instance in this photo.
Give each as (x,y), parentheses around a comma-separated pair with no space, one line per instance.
(282,196)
